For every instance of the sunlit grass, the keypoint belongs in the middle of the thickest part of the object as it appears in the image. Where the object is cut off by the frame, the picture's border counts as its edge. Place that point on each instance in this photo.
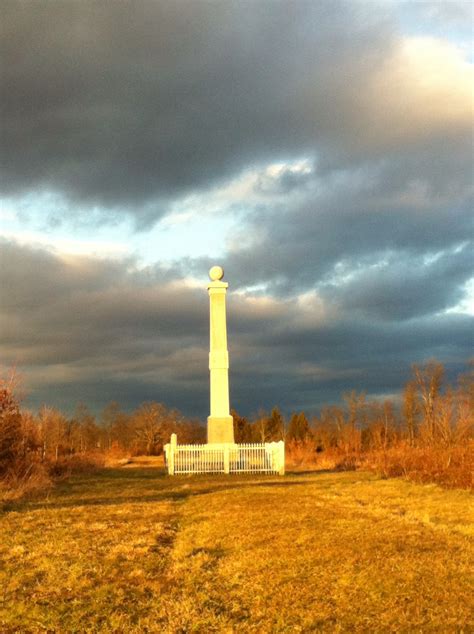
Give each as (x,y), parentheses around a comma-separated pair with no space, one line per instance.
(133,550)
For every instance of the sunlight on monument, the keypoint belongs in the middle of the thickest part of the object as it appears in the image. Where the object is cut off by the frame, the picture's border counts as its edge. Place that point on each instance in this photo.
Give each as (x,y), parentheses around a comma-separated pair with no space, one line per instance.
(220,427)
(221,454)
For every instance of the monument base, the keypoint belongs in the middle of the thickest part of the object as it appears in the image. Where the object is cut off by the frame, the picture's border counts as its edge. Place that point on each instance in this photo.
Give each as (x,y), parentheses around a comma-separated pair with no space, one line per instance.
(220,429)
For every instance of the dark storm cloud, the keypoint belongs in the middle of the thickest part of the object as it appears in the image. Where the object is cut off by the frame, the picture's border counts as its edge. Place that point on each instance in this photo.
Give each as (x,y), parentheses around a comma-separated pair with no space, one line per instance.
(129,105)
(406,286)
(307,368)
(99,329)
(57,307)
(354,229)
(411,202)
(95,330)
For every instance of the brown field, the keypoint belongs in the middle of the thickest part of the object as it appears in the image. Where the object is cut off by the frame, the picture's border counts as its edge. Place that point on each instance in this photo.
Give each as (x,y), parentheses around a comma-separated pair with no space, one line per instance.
(132,550)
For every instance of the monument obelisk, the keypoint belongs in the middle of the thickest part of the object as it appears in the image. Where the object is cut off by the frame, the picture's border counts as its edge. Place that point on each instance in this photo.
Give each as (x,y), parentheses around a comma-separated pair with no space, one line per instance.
(220,426)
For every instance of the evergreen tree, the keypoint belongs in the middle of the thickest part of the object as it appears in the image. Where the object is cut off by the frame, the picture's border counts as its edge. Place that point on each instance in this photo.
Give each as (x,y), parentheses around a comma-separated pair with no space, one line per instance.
(10,427)
(275,425)
(242,428)
(298,428)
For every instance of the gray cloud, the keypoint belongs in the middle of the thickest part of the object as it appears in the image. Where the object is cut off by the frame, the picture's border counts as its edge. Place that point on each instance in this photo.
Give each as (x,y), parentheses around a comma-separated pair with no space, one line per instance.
(125,106)
(92,330)
(352,225)
(119,108)
(406,286)
(128,107)
(457,13)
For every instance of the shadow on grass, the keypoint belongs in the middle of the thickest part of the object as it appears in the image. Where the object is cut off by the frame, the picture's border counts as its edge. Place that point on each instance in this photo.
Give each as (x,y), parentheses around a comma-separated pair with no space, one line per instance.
(171,488)
(312,472)
(171,496)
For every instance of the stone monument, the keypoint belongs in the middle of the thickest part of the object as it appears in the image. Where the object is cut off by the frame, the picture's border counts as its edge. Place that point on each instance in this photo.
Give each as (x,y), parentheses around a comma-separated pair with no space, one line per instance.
(220,426)
(221,454)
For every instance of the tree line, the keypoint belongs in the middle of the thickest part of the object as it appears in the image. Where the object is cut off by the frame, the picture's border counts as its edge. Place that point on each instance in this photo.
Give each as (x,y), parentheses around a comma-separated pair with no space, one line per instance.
(431,413)
(50,435)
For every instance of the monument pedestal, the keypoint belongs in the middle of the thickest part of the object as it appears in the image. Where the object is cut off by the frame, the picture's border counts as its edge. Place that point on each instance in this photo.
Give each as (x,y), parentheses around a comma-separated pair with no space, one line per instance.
(220,429)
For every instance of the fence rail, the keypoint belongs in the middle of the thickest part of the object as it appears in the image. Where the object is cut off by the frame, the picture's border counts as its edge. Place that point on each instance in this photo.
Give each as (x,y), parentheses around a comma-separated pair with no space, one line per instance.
(225,458)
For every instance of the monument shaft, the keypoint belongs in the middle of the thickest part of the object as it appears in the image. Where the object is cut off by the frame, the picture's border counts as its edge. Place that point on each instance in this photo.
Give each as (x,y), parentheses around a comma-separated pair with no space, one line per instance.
(220,428)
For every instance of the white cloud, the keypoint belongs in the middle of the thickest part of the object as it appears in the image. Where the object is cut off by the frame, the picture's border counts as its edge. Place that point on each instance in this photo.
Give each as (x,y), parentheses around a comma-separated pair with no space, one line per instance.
(7,215)
(67,245)
(423,88)
(466,305)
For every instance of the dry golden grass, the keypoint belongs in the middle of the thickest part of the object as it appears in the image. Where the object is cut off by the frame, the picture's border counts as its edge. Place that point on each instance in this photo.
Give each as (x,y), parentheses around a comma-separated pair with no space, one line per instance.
(131,550)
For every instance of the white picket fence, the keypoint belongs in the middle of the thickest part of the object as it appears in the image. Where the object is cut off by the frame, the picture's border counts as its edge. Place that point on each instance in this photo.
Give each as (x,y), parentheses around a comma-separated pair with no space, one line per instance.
(225,458)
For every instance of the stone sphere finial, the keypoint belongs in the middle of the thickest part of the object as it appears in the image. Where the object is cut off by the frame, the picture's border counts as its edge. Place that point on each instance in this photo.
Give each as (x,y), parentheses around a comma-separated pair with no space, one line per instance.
(216,273)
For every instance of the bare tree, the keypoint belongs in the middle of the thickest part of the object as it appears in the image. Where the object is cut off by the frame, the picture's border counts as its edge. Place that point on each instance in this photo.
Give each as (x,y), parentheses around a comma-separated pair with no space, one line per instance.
(153,424)
(356,417)
(411,410)
(428,380)
(53,425)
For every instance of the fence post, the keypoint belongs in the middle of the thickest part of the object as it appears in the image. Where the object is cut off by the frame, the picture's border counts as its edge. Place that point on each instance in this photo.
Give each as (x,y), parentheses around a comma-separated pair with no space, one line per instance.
(172,453)
(281,466)
(226,459)
(275,456)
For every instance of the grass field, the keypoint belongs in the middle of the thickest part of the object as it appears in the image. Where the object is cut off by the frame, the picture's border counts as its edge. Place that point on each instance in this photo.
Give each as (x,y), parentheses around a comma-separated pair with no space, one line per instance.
(132,550)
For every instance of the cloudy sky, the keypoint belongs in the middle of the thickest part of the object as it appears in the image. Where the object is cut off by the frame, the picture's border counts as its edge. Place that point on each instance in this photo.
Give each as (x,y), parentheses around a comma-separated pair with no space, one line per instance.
(320,151)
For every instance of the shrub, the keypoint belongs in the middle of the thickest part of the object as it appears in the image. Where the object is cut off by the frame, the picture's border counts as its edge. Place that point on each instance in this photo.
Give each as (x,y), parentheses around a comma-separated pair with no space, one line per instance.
(301,454)
(10,429)
(22,479)
(79,463)
(347,462)
(449,467)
